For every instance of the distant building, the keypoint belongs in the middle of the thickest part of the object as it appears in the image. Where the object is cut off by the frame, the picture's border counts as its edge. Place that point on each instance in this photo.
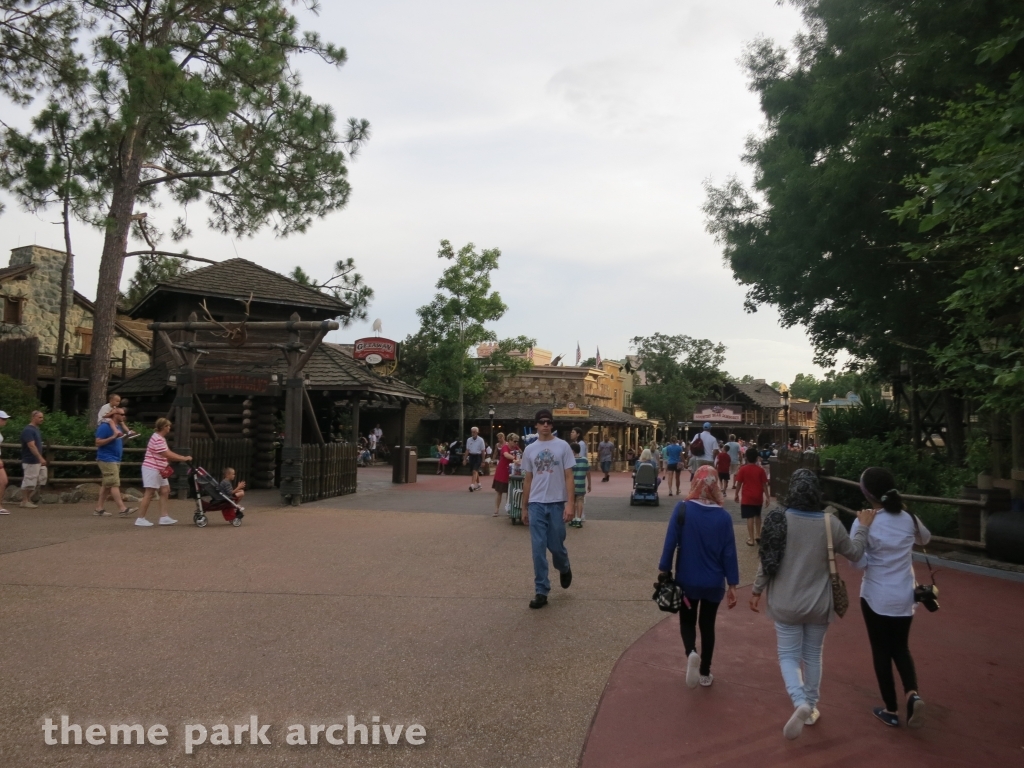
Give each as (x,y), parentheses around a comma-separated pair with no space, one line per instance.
(30,293)
(852,399)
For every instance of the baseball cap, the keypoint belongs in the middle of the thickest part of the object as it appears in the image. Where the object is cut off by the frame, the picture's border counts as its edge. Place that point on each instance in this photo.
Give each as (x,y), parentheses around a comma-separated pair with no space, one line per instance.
(707,425)
(543,413)
(3,415)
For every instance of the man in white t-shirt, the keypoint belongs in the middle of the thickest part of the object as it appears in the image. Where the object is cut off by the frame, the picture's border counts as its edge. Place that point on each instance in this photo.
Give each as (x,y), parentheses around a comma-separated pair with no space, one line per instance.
(709,442)
(372,437)
(475,448)
(548,500)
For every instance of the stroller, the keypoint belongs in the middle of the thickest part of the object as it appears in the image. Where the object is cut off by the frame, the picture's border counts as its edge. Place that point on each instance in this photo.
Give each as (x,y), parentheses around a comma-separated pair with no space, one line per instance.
(204,485)
(645,486)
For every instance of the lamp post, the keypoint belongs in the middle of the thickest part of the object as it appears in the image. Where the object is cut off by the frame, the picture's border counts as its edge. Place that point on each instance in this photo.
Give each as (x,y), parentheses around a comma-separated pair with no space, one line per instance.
(784,402)
(490,412)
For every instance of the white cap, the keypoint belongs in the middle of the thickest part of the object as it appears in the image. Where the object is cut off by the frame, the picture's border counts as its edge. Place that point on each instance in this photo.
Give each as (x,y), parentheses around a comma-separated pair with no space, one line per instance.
(3,415)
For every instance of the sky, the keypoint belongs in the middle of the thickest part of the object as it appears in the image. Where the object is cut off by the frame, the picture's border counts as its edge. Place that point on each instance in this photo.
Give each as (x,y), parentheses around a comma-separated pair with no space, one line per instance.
(574,136)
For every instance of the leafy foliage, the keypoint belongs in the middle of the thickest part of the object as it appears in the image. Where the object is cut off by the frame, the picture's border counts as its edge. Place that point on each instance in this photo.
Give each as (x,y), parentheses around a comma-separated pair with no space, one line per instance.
(872,419)
(916,472)
(807,386)
(151,271)
(680,371)
(345,284)
(17,399)
(971,204)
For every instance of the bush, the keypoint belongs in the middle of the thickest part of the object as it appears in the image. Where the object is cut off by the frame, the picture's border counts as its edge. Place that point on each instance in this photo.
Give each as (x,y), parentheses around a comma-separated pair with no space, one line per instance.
(871,419)
(916,472)
(17,399)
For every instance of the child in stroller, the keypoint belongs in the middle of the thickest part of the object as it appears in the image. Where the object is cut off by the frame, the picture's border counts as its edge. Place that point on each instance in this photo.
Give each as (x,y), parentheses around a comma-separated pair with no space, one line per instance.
(222,497)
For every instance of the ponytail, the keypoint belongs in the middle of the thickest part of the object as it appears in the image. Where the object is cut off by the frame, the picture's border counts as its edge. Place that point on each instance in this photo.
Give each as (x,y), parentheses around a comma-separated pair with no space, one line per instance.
(877,485)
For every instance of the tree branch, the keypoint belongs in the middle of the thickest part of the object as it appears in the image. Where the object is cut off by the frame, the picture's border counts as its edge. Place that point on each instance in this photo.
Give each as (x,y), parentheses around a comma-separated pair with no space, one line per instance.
(172,255)
(188,175)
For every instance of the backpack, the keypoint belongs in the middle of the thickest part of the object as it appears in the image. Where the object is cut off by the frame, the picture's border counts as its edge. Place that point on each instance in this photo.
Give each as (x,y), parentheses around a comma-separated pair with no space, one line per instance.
(697,446)
(773,541)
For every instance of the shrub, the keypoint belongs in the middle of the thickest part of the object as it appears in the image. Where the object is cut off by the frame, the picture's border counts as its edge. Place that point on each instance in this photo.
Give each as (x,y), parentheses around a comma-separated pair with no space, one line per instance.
(871,419)
(916,472)
(19,400)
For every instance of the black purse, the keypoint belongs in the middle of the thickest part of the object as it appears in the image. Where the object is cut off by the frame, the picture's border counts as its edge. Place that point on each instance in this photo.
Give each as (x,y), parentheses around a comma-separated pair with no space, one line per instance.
(668,595)
(925,594)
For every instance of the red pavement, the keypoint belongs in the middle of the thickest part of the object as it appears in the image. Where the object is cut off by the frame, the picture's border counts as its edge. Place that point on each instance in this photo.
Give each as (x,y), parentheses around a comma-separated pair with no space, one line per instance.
(970,664)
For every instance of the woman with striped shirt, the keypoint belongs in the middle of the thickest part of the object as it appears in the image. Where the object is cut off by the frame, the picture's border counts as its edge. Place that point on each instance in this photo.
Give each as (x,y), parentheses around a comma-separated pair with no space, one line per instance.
(157,457)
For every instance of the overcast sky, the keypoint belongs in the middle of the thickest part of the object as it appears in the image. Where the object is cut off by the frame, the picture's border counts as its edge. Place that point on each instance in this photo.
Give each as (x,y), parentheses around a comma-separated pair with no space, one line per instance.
(572,135)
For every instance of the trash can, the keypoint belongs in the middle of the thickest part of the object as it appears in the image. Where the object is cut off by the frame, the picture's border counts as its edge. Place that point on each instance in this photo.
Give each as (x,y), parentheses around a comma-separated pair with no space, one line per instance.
(404,468)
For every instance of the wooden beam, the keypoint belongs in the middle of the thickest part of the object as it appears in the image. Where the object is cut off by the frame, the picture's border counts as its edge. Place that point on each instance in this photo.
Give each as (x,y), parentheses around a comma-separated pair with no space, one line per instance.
(307,405)
(166,339)
(301,363)
(283,325)
(210,430)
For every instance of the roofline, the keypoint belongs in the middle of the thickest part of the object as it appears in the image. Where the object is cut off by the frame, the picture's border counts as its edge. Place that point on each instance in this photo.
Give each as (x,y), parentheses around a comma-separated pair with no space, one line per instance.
(147,345)
(17,271)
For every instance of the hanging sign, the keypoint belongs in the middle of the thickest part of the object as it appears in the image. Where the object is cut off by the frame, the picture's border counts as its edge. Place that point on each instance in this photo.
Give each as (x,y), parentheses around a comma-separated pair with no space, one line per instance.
(571,413)
(235,384)
(375,350)
(715,412)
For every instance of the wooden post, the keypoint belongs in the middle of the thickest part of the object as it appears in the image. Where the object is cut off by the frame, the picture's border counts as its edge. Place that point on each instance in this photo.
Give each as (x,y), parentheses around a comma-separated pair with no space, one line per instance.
(399,474)
(355,421)
(291,451)
(307,405)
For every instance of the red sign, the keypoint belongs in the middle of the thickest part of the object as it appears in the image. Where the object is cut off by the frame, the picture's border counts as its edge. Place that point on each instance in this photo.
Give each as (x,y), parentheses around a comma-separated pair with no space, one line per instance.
(376,347)
(230,383)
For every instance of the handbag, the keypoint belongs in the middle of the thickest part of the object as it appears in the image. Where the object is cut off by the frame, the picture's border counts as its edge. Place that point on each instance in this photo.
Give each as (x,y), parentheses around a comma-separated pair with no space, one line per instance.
(925,594)
(668,595)
(840,597)
(167,472)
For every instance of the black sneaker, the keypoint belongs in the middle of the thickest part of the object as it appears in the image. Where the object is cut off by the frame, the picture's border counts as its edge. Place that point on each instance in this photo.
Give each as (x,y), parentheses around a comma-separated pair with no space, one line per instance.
(886,717)
(565,579)
(539,601)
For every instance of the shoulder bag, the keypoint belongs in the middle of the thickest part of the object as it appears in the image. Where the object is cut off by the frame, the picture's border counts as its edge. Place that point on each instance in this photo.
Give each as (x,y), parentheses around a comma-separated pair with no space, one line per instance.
(840,597)
(668,595)
(925,594)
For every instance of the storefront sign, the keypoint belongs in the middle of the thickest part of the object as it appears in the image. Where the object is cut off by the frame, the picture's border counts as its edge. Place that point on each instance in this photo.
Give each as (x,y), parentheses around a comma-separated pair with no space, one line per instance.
(714,412)
(235,384)
(571,413)
(375,350)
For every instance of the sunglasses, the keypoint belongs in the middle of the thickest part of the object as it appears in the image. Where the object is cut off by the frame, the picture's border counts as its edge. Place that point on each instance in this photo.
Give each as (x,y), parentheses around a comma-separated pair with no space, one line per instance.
(545,422)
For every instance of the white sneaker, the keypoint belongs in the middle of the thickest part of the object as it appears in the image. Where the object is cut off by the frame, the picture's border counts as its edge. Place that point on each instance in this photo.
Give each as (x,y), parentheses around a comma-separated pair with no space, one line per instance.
(815,714)
(795,725)
(707,680)
(692,670)
(142,522)
(165,520)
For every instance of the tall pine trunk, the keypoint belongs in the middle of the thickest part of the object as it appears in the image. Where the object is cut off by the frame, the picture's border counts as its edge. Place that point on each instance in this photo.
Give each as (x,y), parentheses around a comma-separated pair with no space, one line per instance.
(115,245)
(65,290)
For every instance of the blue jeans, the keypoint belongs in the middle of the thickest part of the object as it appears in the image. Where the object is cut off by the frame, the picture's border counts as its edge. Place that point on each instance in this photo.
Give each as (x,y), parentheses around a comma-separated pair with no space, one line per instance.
(547,532)
(801,643)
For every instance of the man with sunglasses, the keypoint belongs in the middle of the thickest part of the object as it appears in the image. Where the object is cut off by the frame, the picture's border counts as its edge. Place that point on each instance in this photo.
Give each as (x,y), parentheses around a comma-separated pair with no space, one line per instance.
(548,500)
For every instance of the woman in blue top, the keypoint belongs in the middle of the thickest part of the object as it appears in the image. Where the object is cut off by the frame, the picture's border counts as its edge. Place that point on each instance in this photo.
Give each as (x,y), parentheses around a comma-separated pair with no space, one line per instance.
(701,538)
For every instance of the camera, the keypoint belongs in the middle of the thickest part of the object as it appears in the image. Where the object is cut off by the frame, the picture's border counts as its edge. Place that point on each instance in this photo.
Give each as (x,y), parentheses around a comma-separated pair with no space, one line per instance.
(928,596)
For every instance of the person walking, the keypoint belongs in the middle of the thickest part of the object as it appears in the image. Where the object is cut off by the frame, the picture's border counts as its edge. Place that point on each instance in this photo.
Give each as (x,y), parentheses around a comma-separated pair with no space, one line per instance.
(606,455)
(752,493)
(735,454)
(673,464)
(548,501)
(723,463)
(701,541)
(3,472)
(475,448)
(703,445)
(581,485)
(154,464)
(33,463)
(110,436)
(501,472)
(794,575)
(576,436)
(887,593)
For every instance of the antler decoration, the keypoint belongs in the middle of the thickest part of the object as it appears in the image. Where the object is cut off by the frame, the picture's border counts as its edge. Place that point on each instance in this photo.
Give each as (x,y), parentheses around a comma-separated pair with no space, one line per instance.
(235,333)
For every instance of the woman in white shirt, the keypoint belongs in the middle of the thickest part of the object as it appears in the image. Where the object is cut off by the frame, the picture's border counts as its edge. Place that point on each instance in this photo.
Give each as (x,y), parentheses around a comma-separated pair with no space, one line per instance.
(887,593)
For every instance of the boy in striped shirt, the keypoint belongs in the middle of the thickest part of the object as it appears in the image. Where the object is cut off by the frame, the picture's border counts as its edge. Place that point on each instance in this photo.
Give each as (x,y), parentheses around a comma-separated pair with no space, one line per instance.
(581,485)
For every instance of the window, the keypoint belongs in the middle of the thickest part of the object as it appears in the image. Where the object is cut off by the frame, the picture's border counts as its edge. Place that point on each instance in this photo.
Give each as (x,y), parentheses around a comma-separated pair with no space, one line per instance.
(12,309)
(86,334)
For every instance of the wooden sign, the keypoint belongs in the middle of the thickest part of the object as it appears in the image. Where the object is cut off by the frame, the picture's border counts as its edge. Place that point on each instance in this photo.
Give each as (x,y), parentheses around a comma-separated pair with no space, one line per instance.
(714,412)
(375,350)
(571,413)
(235,384)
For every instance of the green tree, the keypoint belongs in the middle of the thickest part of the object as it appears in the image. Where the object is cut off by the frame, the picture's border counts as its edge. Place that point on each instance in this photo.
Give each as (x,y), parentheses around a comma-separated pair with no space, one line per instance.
(345,284)
(198,101)
(971,205)
(150,271)
(453,324)
(813,236)
(680,372)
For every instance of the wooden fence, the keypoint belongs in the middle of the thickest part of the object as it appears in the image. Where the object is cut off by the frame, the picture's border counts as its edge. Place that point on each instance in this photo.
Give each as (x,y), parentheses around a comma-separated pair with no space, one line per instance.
(328,470)
(216,455)
(19,359)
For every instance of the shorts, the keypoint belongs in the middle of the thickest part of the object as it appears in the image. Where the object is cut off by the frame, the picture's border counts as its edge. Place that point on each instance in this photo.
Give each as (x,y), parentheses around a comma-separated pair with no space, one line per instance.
(111,473)
(606,467)
(151,478)
(474,461)
(674,468)
(723,476)
(750,510)
(33,475)
(500,486)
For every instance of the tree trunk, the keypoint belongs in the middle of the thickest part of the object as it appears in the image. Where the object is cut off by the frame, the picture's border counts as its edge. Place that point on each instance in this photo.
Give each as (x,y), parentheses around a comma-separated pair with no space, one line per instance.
(955,438)
(65,289)
(115,245)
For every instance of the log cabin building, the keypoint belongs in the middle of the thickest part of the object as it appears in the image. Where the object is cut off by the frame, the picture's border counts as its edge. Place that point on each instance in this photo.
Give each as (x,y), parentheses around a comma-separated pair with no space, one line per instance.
(240,372)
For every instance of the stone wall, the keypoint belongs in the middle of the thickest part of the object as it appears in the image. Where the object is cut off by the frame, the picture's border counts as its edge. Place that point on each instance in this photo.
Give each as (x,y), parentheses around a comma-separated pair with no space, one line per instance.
(41,309)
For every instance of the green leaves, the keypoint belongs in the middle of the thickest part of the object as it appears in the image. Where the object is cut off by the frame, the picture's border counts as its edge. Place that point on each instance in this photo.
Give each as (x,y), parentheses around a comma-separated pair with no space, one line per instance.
(345,284)
(679,372)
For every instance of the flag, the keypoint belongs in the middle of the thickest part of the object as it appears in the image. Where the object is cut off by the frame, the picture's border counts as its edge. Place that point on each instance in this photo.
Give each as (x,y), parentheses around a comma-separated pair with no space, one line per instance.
(579,355)
(598,363)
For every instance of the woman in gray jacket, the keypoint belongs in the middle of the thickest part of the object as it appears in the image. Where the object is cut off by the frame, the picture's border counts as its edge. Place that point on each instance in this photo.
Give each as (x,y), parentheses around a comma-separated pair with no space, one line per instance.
(799,592)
